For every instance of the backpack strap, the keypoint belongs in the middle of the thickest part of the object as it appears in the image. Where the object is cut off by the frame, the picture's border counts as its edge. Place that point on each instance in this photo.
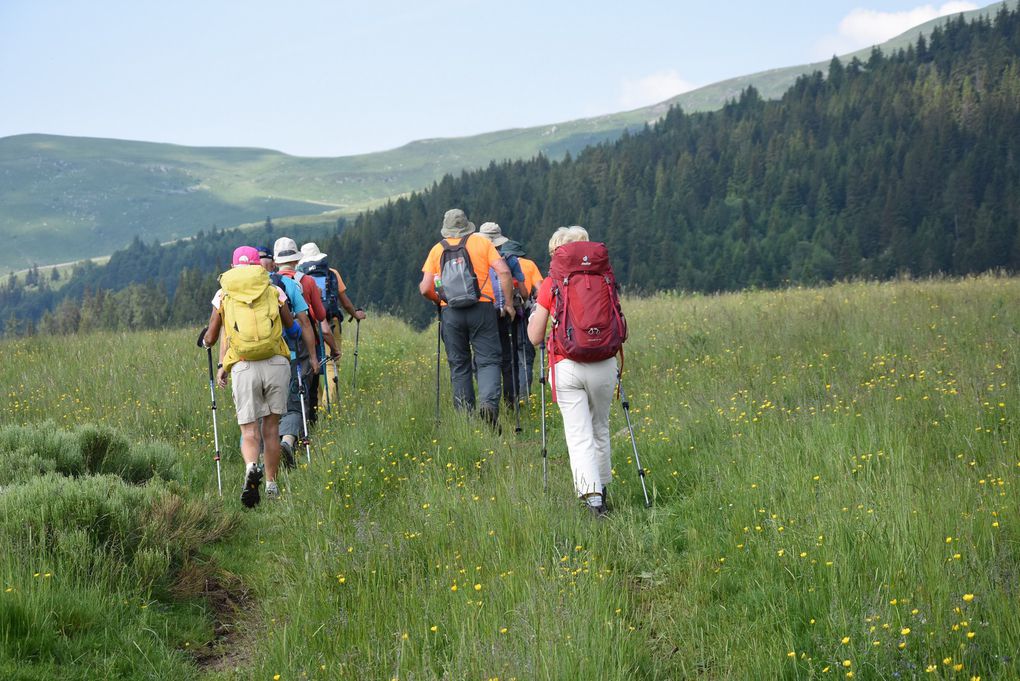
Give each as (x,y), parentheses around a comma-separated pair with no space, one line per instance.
(557,293)
(619,372)
(447,246)
(276,279)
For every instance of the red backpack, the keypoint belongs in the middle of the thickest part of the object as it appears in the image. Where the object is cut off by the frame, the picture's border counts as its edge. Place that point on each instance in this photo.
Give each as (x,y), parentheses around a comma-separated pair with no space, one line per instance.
(588,324)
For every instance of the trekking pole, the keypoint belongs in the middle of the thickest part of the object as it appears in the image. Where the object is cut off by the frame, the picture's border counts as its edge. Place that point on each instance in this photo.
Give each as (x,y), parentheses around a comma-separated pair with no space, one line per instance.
(322,373)
(306,441)
(515,373)
(357,339)
(439,338)
(336,378)
(633,442)
(212,396)
(545,453)
(336,362)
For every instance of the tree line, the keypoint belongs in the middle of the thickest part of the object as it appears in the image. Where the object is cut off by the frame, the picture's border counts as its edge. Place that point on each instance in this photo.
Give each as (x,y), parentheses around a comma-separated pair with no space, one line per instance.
(143,286)
(902,163)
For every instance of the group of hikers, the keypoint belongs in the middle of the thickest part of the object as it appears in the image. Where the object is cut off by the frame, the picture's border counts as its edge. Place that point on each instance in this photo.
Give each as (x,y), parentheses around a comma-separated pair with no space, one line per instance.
(278,318)
(273,320)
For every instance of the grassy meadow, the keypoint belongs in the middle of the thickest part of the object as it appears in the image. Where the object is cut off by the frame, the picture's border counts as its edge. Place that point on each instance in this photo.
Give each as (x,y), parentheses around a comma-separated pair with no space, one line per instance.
(834,477)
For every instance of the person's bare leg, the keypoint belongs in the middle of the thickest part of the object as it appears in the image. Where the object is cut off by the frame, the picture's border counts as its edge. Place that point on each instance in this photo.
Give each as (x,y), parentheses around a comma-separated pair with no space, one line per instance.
(250,454)
(271,451)
(250,442)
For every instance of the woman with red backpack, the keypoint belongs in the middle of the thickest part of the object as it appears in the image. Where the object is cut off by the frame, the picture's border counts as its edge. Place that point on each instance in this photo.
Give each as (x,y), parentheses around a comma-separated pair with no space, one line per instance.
(588,330)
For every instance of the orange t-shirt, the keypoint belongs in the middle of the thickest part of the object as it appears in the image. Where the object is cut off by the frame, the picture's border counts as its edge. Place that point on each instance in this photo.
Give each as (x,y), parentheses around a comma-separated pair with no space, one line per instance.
(483,256)
(532,275)
(340,285)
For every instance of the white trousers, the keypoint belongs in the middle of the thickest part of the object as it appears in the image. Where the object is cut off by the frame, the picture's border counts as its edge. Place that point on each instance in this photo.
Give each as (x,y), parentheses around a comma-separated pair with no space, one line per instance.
(584,393)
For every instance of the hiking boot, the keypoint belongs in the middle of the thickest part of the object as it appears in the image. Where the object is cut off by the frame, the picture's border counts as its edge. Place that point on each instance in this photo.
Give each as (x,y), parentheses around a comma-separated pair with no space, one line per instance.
(595,503)
(491,417)
(288,457)
(605,499)
(250,491)
(272,490)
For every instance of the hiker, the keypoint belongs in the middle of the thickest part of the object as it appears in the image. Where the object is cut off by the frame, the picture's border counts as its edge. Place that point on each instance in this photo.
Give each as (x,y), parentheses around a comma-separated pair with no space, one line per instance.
(509,329)
(456,276)
(333,293)
(580,285)
(252,315)
(286,255)
(302,354)
(532,280)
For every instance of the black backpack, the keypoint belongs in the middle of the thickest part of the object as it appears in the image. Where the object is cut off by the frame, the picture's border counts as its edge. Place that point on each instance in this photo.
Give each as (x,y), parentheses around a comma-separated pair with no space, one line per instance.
(328,289)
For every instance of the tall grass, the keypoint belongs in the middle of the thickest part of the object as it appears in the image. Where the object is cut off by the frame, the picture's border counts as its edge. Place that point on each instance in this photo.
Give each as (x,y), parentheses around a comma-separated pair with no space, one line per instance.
(834,476)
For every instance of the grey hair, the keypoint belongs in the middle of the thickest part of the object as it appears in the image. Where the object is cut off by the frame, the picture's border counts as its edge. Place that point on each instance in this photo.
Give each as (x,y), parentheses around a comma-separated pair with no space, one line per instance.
(565,235)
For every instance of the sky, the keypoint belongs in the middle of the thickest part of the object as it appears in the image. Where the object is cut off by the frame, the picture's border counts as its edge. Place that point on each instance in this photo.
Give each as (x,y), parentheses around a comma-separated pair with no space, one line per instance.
(336,78)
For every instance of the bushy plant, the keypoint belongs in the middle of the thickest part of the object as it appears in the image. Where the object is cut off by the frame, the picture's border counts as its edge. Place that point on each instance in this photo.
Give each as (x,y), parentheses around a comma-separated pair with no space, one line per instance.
(27,451)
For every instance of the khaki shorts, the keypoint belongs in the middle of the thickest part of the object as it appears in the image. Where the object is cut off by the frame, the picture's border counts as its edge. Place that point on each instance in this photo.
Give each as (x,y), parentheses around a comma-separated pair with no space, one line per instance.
(260,388)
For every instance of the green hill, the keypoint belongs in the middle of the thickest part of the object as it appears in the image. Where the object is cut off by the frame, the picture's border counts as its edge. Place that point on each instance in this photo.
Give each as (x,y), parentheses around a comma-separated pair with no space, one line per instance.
(835,490)
(64,199)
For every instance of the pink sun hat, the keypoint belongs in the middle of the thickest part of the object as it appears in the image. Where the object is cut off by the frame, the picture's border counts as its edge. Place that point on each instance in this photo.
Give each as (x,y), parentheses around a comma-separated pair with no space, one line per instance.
(245,255)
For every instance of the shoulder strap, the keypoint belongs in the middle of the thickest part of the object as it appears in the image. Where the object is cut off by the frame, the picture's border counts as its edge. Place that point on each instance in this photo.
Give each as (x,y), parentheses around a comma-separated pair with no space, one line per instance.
(461,244)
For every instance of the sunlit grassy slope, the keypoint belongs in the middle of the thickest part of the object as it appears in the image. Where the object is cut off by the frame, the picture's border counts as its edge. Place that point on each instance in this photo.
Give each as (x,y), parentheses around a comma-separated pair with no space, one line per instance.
(834,474)
(63,199)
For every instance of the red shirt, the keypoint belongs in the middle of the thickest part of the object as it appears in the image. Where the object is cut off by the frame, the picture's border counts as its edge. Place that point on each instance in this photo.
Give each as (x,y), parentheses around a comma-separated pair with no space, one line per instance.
(310,291)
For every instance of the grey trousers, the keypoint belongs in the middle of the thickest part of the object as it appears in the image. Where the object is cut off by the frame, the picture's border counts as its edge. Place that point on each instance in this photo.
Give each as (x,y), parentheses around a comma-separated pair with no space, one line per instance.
(291,423)
(506,330)
(467,330)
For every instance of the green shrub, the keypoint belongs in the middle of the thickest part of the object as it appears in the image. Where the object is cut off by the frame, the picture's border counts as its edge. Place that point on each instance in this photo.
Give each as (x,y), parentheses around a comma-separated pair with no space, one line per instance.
(82,552)
(101,528)
(29,451)
(26,451)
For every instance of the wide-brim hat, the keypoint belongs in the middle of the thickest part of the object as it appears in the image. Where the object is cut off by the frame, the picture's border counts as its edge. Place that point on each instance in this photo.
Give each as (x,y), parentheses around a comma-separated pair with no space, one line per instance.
(512,247)
(310,253)
(492,232)
(456,224)
(285,250)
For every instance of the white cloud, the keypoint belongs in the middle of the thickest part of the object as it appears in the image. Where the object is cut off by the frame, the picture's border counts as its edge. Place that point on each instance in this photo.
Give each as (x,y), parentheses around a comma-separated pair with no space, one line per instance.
(863,27)
(652,89)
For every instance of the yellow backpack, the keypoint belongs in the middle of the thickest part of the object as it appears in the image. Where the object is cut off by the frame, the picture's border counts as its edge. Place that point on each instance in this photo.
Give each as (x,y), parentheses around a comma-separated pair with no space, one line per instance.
(250,308)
